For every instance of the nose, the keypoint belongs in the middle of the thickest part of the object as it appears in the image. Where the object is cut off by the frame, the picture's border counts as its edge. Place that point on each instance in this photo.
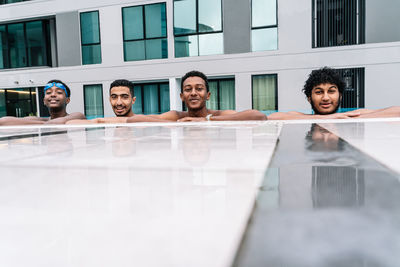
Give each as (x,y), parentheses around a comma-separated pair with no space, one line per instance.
(119,100)
(193,92)
(325,96)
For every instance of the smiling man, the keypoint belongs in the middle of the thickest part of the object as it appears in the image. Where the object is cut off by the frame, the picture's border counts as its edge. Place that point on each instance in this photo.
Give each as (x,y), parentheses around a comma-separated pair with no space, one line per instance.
(324,91)
(57,96)
(121,99)
(195,93)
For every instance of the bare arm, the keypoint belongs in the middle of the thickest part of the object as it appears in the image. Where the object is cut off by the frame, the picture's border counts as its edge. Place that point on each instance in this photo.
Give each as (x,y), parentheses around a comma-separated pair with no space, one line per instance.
(21,121)
(383,113)
(165,117)
(247,115)
(294,115)
(231,115)
(100,120)
(64,120)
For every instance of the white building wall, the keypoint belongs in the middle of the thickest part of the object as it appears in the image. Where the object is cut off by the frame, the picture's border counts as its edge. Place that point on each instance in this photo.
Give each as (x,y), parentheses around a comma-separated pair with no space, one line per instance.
(292,62)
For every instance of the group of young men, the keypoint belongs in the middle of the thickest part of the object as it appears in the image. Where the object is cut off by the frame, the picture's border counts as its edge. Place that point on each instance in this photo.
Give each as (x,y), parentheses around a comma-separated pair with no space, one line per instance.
(323,89)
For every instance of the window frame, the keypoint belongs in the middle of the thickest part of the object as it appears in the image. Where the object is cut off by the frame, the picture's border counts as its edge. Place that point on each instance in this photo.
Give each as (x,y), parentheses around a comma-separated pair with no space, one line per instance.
(218,80)
(84,97)
(264,27)
(142,84)
(47,43)
(360,25)
(91,44)
(197,23)
(276,88)
(144,30)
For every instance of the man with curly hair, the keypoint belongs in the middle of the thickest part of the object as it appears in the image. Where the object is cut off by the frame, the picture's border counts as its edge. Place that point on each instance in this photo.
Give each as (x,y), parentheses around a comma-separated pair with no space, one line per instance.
(324,91)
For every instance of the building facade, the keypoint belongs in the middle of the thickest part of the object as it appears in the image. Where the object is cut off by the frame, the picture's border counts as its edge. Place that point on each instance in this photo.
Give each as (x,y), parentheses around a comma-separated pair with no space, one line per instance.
(257,53)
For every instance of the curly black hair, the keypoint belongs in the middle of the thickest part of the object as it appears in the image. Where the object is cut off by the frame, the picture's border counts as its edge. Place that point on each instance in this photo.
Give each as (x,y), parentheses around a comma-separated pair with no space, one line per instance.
(125,83)
(66,87)
(323,75)
(195,73)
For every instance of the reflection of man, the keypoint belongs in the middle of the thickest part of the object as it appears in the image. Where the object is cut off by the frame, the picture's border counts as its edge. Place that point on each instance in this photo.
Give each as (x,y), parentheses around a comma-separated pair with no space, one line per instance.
(194,93)
(124,142)
(121,99)
(320,139)
(57,95)
(335,183)
(196,146)
(324,90)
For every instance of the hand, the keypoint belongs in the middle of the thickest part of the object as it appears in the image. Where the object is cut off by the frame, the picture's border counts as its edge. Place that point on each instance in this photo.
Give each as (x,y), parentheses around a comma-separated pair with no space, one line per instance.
(192,119)
(346,115)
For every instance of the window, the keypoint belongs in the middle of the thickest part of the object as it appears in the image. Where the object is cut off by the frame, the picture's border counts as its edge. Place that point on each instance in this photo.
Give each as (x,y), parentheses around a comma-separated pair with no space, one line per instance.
(198,27)
(90,38)
(3,2)
(222,94)
(353,95)
(338,22)
(18,102)
(265,92)
(151,98)
(264,25)
(93,98)
(145,32)
(25,44)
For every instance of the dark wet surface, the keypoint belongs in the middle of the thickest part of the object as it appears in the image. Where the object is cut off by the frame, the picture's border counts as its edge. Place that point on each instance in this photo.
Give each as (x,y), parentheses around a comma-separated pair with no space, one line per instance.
(323,203)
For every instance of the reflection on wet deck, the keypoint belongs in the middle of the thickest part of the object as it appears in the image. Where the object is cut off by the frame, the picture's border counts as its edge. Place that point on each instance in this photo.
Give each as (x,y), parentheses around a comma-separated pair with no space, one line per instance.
(323,204)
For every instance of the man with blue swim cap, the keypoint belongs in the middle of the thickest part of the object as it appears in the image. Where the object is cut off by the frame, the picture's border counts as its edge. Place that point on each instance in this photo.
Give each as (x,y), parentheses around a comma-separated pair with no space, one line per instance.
(56,98)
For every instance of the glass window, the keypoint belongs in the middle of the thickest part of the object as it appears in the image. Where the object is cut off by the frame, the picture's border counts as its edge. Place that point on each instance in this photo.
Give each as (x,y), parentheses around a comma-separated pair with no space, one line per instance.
(186,46)
(25,44)
(17,45)
(353,95)
(151,98)
(198,27)
(338,22)
(36,42)
(145,32)
(185,17)
(132,19)
(265,92)
(18,102)
(222,95)
(3,48)
(264,39)
(90,38)
(264,34)
(210,16)
(3,2)
(93,97)
(3,107)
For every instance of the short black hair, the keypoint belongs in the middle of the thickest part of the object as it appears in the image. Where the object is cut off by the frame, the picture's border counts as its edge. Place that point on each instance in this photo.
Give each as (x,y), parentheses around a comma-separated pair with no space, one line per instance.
(195,73)
(323,75)
(66,87)
(123,82)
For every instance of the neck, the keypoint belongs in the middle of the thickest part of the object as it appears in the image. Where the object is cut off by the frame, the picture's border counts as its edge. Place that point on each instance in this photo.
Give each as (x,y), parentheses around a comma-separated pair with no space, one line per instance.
(54,113)
(202,112)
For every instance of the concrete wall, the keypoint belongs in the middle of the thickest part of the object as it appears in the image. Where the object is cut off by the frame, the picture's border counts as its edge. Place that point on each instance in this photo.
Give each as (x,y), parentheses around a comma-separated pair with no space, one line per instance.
(68,39)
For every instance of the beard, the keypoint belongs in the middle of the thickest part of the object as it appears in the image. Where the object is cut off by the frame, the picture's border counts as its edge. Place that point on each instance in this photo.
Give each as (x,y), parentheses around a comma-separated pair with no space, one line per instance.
(319,113)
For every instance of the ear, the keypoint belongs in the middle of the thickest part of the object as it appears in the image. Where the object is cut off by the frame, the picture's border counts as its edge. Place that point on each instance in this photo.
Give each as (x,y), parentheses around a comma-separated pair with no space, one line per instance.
(309,99)
(208,95)
(133,100)
(67,100)
(181,96)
